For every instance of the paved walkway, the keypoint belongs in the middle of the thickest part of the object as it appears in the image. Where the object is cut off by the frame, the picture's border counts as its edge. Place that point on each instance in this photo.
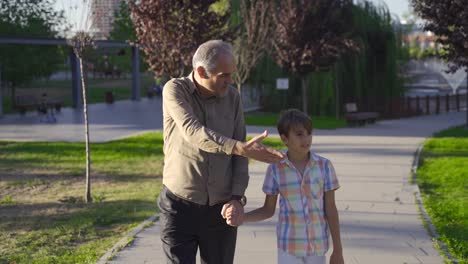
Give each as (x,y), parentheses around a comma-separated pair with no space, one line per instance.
(106,122)
(379,218)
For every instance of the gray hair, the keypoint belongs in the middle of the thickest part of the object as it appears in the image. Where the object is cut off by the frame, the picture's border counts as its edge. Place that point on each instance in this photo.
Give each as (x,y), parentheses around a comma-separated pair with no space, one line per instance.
(208,53)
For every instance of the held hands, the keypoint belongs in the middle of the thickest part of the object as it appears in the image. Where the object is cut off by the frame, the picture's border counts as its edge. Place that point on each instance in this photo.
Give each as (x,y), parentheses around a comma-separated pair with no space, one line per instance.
(233,212)
(254,149)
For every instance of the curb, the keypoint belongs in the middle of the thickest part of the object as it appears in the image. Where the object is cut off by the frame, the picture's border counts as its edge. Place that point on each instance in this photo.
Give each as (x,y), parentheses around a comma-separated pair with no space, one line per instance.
(125,241)
(425,216)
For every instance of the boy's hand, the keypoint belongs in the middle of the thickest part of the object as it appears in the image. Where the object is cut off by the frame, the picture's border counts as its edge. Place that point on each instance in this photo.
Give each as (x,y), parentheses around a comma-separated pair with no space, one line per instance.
(336,258)
(233,212)
(227,210)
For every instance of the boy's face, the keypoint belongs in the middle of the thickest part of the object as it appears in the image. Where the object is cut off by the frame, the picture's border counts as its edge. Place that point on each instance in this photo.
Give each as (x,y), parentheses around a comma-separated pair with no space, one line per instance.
(298,139)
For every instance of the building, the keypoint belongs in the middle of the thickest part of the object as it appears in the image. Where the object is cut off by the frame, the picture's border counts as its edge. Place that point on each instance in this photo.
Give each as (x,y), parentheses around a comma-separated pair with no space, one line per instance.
(418,38)
(103,17)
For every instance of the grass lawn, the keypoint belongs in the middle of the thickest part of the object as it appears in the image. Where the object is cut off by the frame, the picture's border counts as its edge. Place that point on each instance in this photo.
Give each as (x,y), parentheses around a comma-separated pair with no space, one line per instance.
(42,216)
(61,89)
(270,119)
(443,180)
(272,142)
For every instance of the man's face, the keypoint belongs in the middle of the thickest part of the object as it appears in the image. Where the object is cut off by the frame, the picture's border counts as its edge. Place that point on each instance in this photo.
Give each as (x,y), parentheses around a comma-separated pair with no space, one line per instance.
(221,77)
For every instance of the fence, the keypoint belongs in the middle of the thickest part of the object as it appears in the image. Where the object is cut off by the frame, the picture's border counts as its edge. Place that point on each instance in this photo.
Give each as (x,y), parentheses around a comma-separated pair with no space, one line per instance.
(412,106)
(437,104)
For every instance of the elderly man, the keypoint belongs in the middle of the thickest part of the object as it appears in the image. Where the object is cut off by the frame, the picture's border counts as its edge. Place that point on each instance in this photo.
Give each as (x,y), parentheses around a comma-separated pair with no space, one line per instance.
(205,162)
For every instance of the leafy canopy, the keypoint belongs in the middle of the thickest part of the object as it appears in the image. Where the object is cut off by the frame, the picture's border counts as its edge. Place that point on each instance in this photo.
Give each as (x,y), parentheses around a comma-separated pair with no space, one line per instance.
(311,35)
(169,32)
(28,18)
(447,19)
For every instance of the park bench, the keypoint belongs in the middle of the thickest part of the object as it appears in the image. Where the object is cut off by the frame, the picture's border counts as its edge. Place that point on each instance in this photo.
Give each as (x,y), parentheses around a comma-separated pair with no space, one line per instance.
(24,103)
(353,117)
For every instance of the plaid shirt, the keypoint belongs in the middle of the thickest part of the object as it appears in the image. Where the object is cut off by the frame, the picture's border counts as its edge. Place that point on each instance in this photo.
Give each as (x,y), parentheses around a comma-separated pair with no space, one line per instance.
(302,227)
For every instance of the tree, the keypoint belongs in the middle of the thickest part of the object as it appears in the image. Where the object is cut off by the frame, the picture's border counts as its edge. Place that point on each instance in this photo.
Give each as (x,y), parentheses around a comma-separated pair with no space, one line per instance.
(122,27)
(448,20)
(21,64)
(81,42)
(310,36)
(370,77)
(254,37)
(124,30)
(170,31)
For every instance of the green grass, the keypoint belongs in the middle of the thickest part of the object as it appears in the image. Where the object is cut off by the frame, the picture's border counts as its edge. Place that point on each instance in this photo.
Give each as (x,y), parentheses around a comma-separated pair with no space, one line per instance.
(27,182)
(7,105)
(43,218)
(7,200)
(273,142)
(98,95)
(270,119)
(443,180)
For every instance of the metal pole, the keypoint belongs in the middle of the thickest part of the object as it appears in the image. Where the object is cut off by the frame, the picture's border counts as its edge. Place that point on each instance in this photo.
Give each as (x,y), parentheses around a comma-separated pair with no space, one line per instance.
(135,74)
(1,99)
(76,80)
(337,95)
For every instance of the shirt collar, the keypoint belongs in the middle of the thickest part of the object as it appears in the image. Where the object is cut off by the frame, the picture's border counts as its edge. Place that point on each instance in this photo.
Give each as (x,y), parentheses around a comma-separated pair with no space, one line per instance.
(312,158)
(193,84)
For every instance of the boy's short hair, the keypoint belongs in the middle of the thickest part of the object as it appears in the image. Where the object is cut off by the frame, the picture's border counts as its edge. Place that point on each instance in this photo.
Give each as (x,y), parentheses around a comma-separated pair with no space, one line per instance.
(291,118)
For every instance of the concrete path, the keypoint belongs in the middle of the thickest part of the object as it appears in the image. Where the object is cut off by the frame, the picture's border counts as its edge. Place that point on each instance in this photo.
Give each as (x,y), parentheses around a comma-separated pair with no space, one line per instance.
(379,218)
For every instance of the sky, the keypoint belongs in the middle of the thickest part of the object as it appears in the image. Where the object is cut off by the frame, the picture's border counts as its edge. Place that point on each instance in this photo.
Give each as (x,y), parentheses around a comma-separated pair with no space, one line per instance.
(398,7)
(76,12)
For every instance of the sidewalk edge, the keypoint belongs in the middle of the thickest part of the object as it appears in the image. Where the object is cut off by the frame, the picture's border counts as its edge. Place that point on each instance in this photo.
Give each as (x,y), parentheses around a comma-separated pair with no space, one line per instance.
(125,241)
(424,215)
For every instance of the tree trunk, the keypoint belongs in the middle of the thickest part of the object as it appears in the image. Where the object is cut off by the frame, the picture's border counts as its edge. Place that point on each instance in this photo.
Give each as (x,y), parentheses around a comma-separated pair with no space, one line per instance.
(466,96)
(239,87)
(304,93)
(88,152)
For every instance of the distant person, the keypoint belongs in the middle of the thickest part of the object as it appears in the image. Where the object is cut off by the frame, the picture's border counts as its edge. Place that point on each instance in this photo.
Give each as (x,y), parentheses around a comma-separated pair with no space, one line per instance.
(205,159)
(306,184)
(42,108)
(47,116)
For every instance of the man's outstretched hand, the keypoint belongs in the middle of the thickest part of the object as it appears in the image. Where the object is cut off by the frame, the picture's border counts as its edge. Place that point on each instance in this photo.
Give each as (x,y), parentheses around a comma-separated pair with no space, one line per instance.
(254,149)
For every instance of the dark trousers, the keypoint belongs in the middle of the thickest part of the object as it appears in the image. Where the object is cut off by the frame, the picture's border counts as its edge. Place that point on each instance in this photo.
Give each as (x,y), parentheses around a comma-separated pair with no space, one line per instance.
(186,226)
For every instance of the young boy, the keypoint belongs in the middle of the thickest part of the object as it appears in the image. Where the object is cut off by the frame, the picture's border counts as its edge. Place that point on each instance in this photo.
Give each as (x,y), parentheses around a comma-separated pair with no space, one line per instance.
(306,184)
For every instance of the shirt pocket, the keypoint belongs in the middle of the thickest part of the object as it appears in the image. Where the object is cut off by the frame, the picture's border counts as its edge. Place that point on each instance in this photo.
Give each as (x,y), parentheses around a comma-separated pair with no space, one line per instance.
(189,151)
(225,125)
(316,187)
